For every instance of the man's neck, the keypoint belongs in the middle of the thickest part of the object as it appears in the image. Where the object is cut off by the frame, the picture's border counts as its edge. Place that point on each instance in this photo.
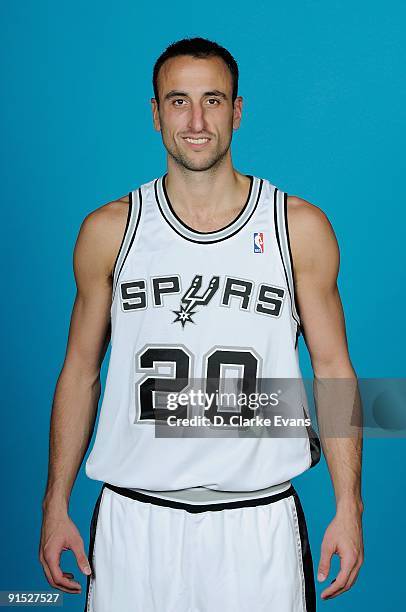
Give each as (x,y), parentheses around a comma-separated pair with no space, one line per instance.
(207,200)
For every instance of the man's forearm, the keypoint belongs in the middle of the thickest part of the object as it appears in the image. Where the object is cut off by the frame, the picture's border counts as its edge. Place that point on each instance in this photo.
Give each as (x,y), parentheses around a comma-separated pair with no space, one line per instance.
(344,459)
(72,421)
(339,416)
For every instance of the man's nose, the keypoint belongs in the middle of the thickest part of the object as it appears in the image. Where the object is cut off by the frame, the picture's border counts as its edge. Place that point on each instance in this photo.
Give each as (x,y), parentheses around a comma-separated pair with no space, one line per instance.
(196,122)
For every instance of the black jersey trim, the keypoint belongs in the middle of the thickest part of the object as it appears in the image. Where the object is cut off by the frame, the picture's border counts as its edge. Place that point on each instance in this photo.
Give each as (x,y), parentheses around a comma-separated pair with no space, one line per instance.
(297,333)
(229,235)
(130,204)
(92,537)
(196,508)
(314,442)
(132,239)
(285,210)
(307,561)
(315,447)
(278,239)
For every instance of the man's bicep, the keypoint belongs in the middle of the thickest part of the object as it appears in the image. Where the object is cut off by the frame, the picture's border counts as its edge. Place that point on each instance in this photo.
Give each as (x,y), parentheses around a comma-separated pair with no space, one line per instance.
(323,324)
(316,262)
(89,331)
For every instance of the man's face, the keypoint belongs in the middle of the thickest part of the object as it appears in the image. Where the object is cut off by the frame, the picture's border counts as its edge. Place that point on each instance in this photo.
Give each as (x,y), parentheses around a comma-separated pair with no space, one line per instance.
(196,103)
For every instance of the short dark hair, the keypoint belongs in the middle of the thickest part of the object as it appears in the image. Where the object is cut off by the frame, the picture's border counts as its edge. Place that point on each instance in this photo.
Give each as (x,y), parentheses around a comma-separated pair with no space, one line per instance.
(200,48)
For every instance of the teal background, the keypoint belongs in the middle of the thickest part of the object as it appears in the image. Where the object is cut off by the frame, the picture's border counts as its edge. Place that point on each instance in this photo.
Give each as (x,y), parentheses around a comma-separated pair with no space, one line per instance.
(323,92)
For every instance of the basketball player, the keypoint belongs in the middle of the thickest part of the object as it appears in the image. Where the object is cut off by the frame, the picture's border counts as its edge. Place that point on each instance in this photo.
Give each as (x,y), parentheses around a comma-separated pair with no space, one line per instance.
(202,271)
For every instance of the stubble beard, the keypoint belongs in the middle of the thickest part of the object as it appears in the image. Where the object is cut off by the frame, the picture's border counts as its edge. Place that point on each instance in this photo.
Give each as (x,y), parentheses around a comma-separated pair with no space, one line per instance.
(196,164)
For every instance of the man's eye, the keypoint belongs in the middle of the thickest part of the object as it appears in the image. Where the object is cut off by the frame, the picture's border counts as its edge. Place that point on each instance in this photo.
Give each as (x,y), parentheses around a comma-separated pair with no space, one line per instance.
(180,102)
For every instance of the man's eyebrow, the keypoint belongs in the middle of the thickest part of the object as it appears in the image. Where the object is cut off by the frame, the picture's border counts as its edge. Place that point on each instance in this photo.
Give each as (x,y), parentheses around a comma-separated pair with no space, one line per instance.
(215,92)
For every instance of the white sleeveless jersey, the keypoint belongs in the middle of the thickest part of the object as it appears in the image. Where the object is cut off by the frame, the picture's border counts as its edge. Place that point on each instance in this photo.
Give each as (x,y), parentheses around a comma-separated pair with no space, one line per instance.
(195,305)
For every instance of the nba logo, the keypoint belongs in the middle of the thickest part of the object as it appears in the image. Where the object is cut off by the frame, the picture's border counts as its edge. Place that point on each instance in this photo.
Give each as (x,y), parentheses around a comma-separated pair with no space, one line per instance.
(258,242)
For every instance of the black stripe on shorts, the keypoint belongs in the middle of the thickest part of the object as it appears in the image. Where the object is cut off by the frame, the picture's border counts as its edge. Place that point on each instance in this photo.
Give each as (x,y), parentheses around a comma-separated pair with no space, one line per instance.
(310,589)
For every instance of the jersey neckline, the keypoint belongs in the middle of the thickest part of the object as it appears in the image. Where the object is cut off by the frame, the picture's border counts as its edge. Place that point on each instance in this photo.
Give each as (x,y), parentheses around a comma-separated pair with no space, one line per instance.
(170,216)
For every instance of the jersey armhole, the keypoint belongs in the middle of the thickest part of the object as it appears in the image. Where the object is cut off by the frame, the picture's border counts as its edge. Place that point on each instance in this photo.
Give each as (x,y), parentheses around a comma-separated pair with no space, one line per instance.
(282,236)
(133,219)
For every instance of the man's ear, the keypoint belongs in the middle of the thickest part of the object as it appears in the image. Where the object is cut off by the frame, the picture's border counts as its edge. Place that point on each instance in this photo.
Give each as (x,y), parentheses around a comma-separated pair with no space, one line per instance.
(155,114)
(237,112)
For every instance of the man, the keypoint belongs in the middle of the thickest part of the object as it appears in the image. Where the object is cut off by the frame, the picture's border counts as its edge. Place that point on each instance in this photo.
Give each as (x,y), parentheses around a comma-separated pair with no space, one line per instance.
(195,275)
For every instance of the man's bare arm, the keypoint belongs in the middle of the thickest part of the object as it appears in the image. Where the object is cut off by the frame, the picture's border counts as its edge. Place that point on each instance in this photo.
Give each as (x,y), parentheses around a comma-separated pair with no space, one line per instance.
(315,256)
(78,387)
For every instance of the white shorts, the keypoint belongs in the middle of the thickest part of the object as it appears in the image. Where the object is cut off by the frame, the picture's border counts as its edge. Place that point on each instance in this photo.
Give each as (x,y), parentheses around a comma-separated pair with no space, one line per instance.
(150,554)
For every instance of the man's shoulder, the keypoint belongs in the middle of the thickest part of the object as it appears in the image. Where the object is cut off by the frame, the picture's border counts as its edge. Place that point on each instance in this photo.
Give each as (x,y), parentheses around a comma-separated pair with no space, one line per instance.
(305,216)
(311,234)
(109,211)
(114,214)
(108,218)
(102,230)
